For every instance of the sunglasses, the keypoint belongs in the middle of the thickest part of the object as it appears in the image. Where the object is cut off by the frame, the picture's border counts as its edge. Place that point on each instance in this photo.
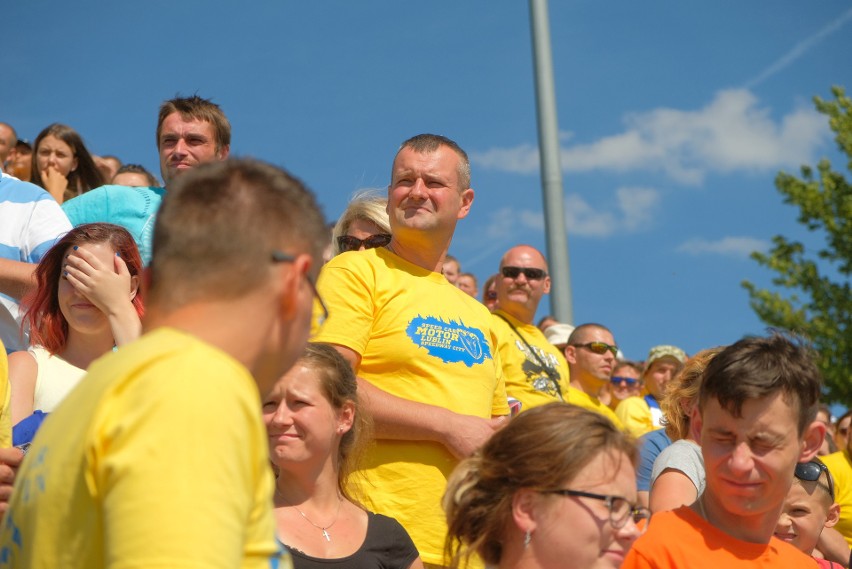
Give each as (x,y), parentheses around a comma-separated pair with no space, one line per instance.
(280,257)
(598,347)
(811,471)
(616,380)
(531,273)
(350,243)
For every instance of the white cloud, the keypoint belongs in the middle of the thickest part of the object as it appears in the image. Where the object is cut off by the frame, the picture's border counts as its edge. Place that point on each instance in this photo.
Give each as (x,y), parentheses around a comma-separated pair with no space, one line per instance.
(732,133)
(632,211)
(729,246)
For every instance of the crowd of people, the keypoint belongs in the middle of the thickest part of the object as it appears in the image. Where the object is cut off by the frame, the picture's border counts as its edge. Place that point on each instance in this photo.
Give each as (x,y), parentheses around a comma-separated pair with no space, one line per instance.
(206,373)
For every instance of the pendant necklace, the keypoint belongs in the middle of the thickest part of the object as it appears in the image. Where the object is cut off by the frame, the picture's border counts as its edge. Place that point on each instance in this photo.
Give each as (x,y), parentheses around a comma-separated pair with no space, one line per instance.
(325,529)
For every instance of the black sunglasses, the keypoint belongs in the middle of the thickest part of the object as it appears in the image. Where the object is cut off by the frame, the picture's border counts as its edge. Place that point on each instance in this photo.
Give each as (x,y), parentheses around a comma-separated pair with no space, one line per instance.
(598,347)
(350,243)
(531,273)
(811,471)
(615,380)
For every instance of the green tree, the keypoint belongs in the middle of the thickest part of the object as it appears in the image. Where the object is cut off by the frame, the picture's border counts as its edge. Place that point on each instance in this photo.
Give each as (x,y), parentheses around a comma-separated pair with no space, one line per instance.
(819,302)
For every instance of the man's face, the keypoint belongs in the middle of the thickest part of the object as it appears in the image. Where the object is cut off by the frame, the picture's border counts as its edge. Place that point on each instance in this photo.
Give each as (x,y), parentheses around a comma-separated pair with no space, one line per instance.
(659,374)
(467,284)
(620,385)
(424,194)
(7,143)
(592,370)
(519,295)
(451,271)
(750,460)
(184,144)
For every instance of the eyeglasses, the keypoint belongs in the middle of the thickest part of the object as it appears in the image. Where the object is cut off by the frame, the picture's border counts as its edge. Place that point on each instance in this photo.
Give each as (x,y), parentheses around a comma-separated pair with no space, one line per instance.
(620,509)
(350,243)
(491,295)
(598,347)
(616,380)
(279,257)
(531,273)
(811,471)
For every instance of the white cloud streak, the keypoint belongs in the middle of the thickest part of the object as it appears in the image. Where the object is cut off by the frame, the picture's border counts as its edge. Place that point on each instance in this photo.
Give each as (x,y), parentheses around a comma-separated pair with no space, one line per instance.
(800,49)
(731,134)
(732,246)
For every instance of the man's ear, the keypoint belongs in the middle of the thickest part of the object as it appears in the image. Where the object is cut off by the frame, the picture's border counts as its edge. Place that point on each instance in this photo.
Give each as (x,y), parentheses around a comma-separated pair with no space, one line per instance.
(224,151)
(812,440)
(695,423)
(291,276)
(571,354)
(546,286)
(466,202)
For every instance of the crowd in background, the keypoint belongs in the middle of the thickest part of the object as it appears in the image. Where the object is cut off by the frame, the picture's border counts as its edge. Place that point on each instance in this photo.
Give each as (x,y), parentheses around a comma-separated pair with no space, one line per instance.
(156,339)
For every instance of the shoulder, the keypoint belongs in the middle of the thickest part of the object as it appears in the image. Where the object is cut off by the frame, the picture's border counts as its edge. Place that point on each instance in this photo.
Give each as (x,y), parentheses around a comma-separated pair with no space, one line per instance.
(22,366)
(657,439)
(632,404)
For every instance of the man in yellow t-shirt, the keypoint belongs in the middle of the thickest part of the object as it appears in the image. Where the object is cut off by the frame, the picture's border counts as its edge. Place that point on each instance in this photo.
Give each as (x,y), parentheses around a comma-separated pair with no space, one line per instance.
(642,415)
(536,372)
(590,353)
(159,458)
(424,350)
(840,466)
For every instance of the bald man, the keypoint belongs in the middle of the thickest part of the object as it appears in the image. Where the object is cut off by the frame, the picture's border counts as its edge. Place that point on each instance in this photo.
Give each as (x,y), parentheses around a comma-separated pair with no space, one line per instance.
(536,372)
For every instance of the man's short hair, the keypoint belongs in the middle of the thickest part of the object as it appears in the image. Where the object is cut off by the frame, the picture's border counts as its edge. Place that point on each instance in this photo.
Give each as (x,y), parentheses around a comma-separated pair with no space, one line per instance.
(579,332)
(196,108)
(14,140)
(219,224)
(138,169)
(757,367)
(428,143)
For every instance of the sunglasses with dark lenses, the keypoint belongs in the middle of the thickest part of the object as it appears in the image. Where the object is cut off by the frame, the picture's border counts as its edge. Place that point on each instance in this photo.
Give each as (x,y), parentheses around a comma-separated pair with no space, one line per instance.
(598,347)
(616,380)
(350,243)
(811,471)
(531,273)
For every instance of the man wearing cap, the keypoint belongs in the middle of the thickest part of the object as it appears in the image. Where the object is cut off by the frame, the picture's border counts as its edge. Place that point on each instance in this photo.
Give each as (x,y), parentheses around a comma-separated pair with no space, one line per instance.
(643,414)
(536,373)
(590,353)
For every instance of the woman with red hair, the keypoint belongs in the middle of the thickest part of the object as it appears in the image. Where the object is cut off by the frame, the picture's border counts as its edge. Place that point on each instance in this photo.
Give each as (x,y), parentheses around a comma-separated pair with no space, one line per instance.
(85,303)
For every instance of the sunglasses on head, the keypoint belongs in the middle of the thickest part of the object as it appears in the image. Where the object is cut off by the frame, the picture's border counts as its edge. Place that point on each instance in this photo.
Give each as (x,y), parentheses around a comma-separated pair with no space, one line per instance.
(616,380)
(598,347)
(531,273)
(350,243)
(811,471)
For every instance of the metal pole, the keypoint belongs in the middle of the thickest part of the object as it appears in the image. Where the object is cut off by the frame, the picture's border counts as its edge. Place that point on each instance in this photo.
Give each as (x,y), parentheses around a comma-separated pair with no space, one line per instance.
(551,170)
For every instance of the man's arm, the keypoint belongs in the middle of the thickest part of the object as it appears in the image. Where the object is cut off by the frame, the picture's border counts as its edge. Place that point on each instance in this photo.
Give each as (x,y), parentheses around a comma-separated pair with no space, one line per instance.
(403,419)
(16,278)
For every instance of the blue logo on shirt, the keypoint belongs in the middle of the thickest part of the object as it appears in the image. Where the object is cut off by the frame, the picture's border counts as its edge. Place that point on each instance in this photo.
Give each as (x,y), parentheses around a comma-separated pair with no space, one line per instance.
(449,340)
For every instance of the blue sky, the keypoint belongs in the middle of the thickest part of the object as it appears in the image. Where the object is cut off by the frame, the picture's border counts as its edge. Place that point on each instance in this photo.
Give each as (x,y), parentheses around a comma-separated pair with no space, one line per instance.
(675,118)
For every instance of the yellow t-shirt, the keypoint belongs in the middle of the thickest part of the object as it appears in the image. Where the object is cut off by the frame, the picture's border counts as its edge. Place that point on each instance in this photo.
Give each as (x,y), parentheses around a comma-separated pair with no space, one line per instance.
(582,399)
(526,373)
(6,399)
(158,459)
(636,416)
(840,466)
(422,339)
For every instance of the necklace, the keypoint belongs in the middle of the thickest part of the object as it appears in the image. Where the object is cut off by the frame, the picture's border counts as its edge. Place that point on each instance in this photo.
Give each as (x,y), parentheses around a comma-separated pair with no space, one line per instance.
(325,529)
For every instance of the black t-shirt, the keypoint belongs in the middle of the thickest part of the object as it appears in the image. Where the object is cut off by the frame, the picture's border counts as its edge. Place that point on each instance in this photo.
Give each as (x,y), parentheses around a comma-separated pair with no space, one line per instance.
(387,546)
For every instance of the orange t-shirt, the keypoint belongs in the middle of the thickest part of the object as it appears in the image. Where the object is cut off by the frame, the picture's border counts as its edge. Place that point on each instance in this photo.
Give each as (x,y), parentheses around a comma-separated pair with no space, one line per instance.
(682,538)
